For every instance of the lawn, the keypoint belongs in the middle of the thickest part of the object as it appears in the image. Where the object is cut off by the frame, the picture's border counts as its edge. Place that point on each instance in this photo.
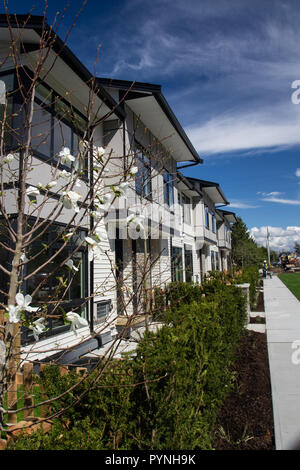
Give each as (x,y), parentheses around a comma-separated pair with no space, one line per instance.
(292,281)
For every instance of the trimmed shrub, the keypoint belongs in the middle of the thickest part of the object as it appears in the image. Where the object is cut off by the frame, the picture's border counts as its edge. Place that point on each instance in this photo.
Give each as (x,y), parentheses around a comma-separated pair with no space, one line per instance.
(166,396)
(251,276)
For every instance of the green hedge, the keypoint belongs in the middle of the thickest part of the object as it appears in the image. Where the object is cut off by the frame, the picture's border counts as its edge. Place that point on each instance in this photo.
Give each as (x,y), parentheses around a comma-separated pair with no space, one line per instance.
(251,276)
(165,397)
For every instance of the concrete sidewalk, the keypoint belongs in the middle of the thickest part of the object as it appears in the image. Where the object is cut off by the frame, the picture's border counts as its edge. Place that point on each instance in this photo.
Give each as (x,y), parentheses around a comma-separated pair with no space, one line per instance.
(283,328)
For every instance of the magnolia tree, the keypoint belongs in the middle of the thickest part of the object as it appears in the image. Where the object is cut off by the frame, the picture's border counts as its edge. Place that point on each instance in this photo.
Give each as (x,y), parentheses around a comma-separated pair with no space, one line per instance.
(68,195)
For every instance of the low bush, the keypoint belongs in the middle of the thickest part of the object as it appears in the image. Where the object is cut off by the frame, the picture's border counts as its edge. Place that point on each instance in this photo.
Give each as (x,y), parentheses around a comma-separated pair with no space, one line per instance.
(167,395)
(250,275)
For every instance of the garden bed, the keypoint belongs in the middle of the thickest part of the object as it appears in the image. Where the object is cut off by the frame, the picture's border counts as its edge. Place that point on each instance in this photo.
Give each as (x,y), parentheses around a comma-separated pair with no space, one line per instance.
(246,419)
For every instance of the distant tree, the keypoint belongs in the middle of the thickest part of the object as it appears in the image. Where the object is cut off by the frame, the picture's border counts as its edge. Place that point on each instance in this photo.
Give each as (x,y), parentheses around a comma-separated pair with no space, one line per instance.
(245,251)
(297,249)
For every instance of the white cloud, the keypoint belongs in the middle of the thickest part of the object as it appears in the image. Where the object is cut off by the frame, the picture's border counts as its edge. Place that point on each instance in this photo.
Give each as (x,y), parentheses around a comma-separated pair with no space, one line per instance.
(281,239)
(243,130)
(293,202)
(298,172)
(241,205)
(271,194)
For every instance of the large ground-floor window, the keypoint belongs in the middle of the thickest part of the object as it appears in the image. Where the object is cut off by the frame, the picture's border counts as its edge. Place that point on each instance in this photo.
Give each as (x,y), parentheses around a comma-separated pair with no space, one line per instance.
(177,264)
(65,289)
(188,261)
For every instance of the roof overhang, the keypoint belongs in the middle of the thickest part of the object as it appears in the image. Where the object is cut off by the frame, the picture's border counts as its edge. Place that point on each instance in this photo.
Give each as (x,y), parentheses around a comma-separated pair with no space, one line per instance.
(230,217)
(147,102)
(183,184)
(28,30)
(213,190)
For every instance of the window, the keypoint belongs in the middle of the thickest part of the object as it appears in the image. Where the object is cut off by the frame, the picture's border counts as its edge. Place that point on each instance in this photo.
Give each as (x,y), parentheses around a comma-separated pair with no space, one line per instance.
(7,87)
(213,222)
(188,261)
(227,234)
(213,264)
(186,202)
(217,261)
(56,124)
(53,289)
(177,264)
(206,217)
(102,310)
(168,188)
(144,174)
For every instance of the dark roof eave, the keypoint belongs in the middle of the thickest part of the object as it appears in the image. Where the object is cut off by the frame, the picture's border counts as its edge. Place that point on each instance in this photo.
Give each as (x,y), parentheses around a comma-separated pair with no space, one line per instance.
(209,184)
(154,90)
(189,185)
(36,24)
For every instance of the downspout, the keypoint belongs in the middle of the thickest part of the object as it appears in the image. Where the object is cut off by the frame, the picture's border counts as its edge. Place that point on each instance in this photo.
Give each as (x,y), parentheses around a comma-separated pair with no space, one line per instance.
(91,312)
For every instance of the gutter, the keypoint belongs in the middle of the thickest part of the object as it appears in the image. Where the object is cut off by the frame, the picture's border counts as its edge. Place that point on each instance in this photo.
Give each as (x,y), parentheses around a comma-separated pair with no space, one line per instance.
(36,23)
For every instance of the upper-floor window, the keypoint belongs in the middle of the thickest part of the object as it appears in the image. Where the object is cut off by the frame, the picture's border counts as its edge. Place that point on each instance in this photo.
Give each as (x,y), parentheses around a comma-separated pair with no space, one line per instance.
(185,203)
(6,105)
(206,217)
(213,222)
(56,124)
(168,188)
(143,179)
(227,234)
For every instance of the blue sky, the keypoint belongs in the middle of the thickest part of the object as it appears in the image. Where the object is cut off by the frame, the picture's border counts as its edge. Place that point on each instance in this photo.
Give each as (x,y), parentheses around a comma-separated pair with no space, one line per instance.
(226,67)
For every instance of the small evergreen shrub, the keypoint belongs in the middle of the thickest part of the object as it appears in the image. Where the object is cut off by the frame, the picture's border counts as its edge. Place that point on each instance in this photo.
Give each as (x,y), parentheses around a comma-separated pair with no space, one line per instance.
(165,396)
(250,275)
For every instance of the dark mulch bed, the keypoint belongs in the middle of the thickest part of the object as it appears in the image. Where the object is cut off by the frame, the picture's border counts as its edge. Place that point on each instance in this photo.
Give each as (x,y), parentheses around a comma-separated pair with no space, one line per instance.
(246,419)
(260,305)
(258,319)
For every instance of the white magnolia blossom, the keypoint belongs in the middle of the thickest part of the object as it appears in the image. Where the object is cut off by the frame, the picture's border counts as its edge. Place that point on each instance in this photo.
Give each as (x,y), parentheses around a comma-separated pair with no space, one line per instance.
(83,146)
(66,175)
(23,258)
(52,184)
(65,155)
(99,152)
(96,215)
(123,188)
(2,352)
(23,304)
(134,170)
(13,313)
(9,158)
(2,92)
(38,327)
(101,233)
(76,321)
(31,191)
(95,250)
(70,199)
(71,265)
(104,202)
(69,235)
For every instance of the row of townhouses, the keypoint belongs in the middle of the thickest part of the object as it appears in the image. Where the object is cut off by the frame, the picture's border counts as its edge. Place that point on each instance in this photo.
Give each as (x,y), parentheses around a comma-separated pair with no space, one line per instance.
(184,231)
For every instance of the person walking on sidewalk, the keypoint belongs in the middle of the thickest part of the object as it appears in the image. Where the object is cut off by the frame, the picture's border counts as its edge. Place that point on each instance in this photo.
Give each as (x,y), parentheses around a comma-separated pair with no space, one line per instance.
(265,268)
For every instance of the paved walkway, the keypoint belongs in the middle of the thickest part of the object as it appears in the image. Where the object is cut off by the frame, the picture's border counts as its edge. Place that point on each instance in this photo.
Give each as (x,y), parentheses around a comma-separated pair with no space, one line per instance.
(283,329)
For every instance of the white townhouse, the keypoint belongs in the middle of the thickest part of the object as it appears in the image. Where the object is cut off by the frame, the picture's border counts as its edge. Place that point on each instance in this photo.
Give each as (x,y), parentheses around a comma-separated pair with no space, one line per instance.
(62,94)
(153,138)
(204,242)
(167,228)
(225,219)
